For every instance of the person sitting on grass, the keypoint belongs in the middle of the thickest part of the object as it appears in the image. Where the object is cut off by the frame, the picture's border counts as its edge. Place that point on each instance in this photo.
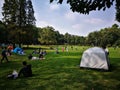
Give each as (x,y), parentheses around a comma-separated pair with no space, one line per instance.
(26,71)
(41,56)
(30,56)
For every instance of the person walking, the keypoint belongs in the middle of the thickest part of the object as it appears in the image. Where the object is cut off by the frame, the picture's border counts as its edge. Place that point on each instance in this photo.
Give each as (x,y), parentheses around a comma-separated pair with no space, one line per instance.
(4,55)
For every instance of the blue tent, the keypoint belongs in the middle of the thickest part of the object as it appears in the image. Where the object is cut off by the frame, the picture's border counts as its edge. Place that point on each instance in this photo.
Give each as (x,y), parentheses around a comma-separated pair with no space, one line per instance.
(17,49)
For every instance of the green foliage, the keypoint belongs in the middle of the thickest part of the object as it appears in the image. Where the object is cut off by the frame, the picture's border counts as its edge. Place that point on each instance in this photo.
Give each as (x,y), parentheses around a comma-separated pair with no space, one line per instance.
(18,12)
(86,6)
(30,14)
(61,72)
(118,10)
(74,39)
(94,38)
(106,36)
(29,35)
(48,36)
(2,32)
(18,16)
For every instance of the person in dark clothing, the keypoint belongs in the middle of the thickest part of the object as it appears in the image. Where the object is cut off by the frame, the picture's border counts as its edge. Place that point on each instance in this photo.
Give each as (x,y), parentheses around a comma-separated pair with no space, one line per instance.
(41,57)
(26,70)
(4,55)
(30,56)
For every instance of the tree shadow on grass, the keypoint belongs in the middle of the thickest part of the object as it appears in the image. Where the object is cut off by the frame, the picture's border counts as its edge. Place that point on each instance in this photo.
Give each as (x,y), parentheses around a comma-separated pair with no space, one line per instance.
(110,80)
(65,75)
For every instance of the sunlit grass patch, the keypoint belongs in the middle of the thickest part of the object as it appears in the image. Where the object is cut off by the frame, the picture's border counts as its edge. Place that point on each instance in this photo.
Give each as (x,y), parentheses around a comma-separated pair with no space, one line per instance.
(61,72)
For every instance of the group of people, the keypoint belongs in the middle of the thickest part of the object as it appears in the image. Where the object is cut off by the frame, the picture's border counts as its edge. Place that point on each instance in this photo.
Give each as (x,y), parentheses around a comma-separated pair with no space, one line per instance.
(26,70)
(63,49)
(41,55)
(7,51)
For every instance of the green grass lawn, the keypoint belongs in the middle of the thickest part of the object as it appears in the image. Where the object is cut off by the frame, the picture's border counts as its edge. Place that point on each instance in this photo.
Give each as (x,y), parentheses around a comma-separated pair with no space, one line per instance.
(61,72)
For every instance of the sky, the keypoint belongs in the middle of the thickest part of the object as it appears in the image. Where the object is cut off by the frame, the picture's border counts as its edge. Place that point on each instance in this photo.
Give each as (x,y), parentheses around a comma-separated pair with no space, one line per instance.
(62,19)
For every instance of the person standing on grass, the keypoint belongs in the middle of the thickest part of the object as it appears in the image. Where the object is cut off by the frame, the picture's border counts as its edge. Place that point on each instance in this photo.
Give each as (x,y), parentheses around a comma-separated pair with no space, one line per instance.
(106,50)
(62,49)
(56,51)
(4,55)
(107,54)
(67,49)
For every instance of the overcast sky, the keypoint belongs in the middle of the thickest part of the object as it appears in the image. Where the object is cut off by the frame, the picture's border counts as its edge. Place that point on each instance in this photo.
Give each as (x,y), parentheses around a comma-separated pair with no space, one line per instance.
(62,19)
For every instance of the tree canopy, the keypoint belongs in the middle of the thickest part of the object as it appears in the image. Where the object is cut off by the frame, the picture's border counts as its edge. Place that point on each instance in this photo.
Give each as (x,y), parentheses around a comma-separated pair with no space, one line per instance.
(107,36)
(86,6)
(19,20)
(18,12)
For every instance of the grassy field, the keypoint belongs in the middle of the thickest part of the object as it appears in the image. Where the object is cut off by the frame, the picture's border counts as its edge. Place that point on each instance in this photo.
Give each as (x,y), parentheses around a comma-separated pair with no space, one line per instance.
(61,72)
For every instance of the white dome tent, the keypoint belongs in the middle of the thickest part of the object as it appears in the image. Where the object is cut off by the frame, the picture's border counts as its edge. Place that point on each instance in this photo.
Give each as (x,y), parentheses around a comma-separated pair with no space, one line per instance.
(95,58)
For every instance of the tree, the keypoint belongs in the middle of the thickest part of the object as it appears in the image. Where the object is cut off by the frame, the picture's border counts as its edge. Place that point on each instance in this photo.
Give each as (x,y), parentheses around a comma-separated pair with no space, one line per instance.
(17,16)
(22,13)
(94,38)
(67,38)
(2,32)
(32,36)
(86,6)
(19,11)
(115,26)
(118,10)
(30,14)
(47,36)
(107,36)
(59,38)
(10,11)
